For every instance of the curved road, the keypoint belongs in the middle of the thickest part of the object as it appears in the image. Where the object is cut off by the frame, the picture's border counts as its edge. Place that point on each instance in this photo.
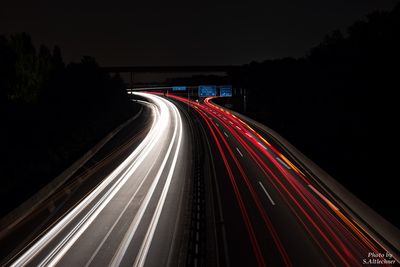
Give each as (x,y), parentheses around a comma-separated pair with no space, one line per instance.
(274,214)
(132,210)
(252,205)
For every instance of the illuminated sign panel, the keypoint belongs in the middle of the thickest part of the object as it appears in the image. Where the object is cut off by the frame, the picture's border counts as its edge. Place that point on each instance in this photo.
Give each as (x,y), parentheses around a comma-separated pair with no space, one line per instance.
(179,88)
(225,90)
(207,90)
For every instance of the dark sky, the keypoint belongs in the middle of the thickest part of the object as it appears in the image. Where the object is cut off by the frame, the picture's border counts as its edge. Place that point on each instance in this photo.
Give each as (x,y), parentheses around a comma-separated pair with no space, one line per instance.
(179,33)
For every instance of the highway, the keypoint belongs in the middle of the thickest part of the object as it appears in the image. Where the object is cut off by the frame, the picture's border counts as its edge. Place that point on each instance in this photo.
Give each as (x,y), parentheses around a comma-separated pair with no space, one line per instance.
(274,214)
(250,204)
(132,217)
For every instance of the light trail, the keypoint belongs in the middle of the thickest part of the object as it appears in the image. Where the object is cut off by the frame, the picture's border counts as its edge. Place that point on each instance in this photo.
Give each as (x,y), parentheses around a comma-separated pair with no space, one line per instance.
(127,206)
(141,258)
(328,224)
(245,216)
(58,240)
(256,199)
(322,220)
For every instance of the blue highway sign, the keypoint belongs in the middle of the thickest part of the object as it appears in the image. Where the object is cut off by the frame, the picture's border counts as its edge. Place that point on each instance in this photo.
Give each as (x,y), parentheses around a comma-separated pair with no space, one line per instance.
(179,88)
(225,90)
(207,90)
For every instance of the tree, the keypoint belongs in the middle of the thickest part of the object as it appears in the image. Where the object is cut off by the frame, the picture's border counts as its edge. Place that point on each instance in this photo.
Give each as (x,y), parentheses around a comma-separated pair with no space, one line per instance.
(26,86)
(7,69)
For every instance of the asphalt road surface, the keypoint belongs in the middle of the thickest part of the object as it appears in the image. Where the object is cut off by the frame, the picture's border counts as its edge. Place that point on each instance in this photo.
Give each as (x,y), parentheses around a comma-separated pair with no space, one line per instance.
(274,215)
(132,217)
(251,206)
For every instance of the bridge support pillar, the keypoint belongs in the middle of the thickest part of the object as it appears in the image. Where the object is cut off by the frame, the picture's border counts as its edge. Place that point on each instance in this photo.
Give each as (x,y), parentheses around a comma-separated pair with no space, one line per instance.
(131,85)
(244,100)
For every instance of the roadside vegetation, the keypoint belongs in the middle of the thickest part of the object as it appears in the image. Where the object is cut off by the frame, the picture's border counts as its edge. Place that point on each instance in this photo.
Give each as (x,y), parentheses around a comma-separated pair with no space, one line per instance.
(51,114)
(339,105)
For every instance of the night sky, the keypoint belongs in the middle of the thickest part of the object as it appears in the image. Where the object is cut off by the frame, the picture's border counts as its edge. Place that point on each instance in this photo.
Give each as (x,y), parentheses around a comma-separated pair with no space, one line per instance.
(171,33)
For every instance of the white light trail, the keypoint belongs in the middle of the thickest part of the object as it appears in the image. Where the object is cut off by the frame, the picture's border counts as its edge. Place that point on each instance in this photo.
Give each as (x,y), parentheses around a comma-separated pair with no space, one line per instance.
(106,191)
(116,261)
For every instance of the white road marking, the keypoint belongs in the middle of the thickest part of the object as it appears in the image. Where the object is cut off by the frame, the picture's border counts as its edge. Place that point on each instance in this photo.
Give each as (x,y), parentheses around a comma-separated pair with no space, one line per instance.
(132,162)
(116,222)
(262,146)
(125,171)
(239,152)
(142,255)
(265,191)
(283,163)
(226,134)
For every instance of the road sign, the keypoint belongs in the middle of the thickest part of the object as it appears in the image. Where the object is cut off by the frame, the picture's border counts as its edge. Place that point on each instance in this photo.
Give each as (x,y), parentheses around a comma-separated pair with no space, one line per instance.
(179,88)
(207,90)
(225,90)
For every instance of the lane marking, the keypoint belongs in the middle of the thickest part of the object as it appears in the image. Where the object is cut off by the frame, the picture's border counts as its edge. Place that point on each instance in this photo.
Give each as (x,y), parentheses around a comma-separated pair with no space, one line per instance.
(78,230)
(230,122)
(142,255)
(117,220)
(226,134)
(265,191)
(121,251)
(238,127)
(262,146)
(239,152)
(217,124)
(124,171)
(283,163)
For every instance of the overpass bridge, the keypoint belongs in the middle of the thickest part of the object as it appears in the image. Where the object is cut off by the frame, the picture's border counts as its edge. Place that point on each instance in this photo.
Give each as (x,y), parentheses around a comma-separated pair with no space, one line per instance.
(170,69)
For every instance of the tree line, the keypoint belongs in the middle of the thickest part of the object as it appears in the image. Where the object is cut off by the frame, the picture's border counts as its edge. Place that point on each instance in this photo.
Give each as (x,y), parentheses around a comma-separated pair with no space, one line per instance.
(339,105)
(51,114)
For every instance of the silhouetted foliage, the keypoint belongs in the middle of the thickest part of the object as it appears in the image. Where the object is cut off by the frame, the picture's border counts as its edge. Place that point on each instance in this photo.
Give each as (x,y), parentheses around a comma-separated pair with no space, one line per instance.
(7,70)
(338,104)
(52,114)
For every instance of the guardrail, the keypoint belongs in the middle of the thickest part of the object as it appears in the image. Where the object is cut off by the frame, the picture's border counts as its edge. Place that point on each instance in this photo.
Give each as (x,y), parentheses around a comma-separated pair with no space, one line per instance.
(379,228)
(22,211)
